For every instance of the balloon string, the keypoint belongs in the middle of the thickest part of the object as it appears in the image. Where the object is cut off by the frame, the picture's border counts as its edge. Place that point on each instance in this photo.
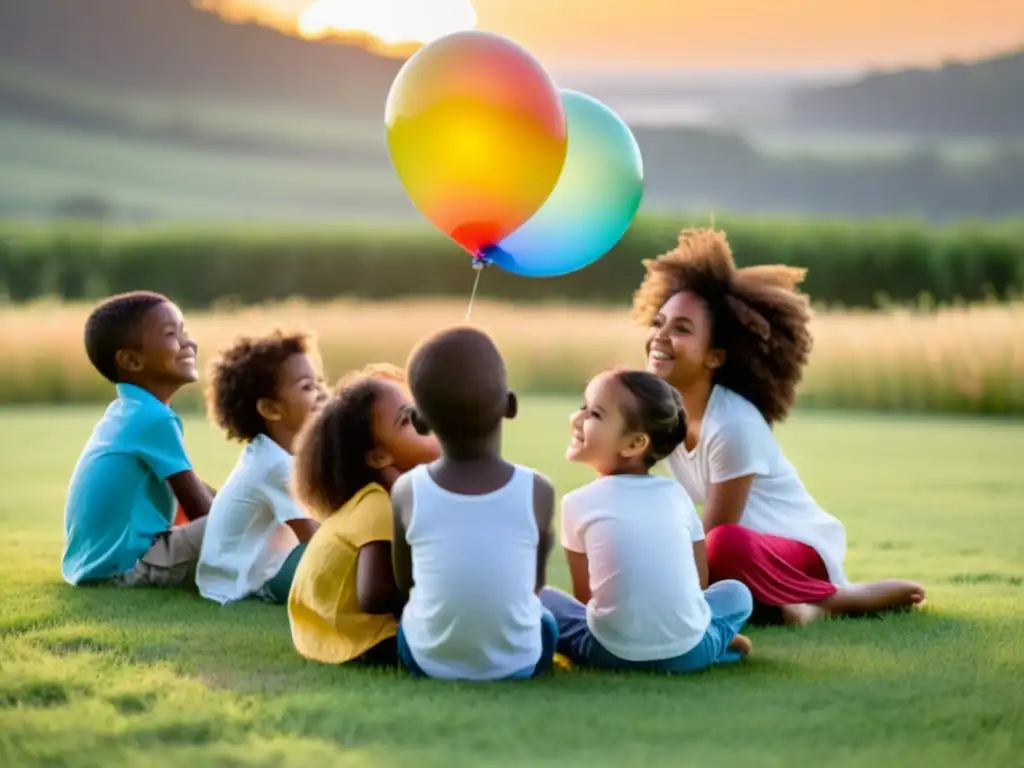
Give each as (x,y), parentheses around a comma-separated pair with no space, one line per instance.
(472,296)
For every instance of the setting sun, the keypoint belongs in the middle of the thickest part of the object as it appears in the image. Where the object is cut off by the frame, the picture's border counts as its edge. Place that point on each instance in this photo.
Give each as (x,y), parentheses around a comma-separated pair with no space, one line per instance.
(394,23)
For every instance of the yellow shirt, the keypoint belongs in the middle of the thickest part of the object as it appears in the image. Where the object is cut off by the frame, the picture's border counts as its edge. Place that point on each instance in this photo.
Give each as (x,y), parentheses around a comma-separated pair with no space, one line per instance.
(323,610)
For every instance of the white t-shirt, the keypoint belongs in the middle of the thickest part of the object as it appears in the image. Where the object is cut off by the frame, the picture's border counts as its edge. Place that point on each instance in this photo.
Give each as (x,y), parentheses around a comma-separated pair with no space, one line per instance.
(735,440)
(638,533)
(247,538)
(473,613)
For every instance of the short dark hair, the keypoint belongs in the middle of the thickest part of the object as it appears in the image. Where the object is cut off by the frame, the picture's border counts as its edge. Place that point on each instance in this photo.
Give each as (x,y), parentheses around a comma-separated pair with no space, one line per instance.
(113,325)
(330,449)
(459,384)
(244,373)
(656,411)
(757,316)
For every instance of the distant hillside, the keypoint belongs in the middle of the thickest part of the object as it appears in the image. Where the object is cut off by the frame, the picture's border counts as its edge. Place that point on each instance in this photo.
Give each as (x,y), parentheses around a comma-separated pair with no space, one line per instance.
(168,48)
(152,110)
(984,98)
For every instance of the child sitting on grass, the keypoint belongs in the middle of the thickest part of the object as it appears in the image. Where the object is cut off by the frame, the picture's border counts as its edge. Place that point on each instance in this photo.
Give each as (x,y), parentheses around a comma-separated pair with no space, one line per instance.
(134,470)
(344,605)
(472,531)
(261,391)
(635,544)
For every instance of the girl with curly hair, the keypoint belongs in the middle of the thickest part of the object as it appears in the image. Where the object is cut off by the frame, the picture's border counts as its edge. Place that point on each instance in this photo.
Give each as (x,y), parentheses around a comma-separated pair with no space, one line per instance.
(344,603)
(734,342)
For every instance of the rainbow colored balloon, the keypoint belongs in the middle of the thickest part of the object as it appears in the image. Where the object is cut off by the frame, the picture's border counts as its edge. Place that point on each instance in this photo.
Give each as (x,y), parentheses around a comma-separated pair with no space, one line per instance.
(477,134)
(594,203)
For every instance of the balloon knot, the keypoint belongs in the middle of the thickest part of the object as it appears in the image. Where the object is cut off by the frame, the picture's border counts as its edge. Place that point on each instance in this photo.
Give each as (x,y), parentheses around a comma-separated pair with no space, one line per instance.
(482,259)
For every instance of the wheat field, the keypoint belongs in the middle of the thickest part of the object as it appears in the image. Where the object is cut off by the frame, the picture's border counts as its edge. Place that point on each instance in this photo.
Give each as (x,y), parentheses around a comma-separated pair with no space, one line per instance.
(965,359)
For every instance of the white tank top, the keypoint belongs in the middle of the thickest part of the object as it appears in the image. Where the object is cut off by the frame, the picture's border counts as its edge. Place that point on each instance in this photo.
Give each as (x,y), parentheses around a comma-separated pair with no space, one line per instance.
(472,612)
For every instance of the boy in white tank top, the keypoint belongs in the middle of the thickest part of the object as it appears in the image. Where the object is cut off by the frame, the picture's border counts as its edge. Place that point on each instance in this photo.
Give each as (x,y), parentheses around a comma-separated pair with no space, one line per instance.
(472,531)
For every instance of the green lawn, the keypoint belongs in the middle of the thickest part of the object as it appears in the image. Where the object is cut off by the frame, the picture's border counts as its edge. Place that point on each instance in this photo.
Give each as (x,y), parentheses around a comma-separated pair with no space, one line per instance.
(96,677)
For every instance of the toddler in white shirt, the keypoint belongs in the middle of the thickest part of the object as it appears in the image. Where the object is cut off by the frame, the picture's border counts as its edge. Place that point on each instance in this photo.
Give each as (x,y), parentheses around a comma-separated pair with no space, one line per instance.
(635,544)
(261,392)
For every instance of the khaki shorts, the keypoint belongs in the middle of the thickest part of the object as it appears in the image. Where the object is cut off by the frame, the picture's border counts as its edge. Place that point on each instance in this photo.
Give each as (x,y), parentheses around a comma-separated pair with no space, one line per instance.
(171,561)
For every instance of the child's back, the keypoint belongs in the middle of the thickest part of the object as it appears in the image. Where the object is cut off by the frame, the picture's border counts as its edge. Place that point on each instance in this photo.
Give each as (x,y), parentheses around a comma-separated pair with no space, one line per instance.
(472,531)
(473,612)
(638,532)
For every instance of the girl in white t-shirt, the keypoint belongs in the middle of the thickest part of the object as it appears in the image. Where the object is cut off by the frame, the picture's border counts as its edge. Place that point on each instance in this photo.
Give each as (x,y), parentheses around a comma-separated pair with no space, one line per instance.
(261,392)
(635,545)
(734,342)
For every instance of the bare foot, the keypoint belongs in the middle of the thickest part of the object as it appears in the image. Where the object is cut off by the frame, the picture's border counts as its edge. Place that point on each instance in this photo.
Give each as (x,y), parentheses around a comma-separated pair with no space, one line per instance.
(740,644)
(801,614)
(875,596)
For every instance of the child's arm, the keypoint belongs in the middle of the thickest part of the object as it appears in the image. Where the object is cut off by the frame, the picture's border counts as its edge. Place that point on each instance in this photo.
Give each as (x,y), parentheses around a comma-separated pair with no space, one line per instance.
(304,528)
(161,446)
(575,548)
(700,557)
(700,554)
(375,580)
(544,511)
(285,508)
(401,554)
(192,493)
(579,570)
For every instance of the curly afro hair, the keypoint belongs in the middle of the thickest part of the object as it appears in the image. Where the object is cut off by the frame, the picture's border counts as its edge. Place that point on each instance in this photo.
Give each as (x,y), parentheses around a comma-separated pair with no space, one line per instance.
(330,449)
(113,325)
(758,318)
(246,372)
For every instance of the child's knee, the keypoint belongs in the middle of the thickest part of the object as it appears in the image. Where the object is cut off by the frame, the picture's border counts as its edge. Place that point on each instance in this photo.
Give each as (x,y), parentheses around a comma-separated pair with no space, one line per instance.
(738,597)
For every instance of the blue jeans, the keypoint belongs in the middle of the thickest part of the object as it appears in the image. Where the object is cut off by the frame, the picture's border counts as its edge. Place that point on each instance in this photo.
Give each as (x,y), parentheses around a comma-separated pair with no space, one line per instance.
(731,605)
(548,640)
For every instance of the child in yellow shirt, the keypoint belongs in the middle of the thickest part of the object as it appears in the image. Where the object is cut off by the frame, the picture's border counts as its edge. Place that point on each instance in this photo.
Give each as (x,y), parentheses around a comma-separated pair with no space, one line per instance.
(344,604)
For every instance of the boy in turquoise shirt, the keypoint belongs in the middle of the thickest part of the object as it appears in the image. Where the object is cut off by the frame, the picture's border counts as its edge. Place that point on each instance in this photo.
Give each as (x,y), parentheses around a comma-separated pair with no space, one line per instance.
(134,471)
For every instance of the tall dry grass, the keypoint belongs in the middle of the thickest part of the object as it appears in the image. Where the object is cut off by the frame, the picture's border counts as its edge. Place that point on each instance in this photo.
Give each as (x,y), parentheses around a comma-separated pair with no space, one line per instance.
(968,359)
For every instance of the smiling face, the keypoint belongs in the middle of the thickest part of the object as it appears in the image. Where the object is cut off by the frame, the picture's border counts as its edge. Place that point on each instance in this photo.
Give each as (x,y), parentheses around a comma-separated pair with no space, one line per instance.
(300,393)
(600,435)
(679,342)
(164,358)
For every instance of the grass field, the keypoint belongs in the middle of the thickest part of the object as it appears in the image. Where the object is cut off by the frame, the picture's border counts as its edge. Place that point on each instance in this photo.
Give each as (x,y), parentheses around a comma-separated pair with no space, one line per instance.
(94,677)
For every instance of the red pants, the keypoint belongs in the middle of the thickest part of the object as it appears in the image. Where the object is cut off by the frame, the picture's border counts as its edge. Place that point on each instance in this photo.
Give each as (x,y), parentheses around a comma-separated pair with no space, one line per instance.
(777,571)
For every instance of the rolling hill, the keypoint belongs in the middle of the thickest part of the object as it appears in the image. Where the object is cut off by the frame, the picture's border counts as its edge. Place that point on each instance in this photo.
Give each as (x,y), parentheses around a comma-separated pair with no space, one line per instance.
(978,99)
(170,49)
(153,110)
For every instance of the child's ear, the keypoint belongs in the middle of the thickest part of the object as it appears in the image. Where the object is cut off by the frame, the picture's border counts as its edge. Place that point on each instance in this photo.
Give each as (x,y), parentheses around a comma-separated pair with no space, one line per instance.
(637,446)
(128,360)
(419,423)
(378,458)
(512,406)
(268,409)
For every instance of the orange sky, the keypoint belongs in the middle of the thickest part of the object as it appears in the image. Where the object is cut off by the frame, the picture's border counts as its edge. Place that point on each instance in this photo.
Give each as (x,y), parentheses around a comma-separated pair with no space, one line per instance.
(666,34)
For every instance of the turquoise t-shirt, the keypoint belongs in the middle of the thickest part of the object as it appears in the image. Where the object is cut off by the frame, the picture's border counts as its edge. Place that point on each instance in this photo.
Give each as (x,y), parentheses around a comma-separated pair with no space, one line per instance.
(119,500)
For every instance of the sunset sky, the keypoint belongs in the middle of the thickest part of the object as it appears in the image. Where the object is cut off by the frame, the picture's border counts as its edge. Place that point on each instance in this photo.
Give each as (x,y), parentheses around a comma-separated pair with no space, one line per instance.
(609,35)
